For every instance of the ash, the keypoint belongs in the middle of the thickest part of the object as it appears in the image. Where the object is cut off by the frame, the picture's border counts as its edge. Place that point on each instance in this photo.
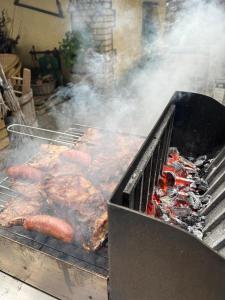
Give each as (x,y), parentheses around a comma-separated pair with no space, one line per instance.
(181,193)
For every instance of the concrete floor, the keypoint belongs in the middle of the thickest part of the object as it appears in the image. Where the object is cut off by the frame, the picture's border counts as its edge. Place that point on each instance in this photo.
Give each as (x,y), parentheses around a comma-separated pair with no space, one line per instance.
(13,289)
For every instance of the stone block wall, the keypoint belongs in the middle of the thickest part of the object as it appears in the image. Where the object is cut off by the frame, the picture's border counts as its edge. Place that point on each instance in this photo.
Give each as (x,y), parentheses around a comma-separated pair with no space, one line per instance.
(100,17)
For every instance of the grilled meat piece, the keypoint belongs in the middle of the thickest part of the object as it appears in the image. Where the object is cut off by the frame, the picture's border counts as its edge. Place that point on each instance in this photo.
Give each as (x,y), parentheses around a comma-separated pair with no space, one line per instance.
(112,156)
(17,209)
(107,188)
(72,191)
(25,172)
(66,168)
(50,226)
(96,233)
(92,135)
(82,204)
(30,191)
(80,157)
(48,156)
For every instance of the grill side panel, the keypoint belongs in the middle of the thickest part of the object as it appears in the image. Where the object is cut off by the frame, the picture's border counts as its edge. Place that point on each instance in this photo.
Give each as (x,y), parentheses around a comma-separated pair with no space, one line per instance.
(149,259)
(152,260)
(49,274)
(214,231)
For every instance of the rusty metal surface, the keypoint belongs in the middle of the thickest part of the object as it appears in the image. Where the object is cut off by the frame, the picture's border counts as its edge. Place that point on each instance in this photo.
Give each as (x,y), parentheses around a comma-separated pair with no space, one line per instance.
(52,275)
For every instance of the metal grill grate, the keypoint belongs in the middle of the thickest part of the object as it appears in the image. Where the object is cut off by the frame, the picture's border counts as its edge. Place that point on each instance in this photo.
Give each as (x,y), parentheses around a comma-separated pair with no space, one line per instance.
(69,137)
(92,261)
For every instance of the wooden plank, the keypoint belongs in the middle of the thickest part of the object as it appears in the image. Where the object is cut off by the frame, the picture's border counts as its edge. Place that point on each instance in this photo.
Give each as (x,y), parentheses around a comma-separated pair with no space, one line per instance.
(4,143)
(2,123)
(3,133)
(26,81)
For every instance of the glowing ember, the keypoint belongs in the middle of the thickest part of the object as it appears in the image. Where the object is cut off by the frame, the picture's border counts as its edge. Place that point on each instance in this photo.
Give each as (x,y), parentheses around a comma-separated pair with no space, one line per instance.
(179,196)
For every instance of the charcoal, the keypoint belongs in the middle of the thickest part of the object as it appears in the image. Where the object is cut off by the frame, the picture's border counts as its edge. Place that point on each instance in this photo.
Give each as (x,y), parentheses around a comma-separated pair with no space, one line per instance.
(180,223)
(200,160)
(167,200)
(202,185)
(182,212)
(193,186)
(192,159)
(173,150)
(194,200)
(172,192)
(182,200)
(196,232)
(206,199)
(178,166)
(165,218)
(190,220)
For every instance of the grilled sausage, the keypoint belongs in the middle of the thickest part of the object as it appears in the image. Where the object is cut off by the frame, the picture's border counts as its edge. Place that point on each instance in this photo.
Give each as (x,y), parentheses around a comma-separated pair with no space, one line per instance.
(25,172)
(50,226)
(77,156)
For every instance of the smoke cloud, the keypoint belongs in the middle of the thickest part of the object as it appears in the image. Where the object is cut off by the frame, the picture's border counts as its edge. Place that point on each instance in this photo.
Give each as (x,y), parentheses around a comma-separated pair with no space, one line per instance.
(187,58)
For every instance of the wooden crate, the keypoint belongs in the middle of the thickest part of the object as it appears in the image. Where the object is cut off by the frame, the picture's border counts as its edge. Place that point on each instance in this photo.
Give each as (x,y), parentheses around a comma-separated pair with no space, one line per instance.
(4,143)
(4,139)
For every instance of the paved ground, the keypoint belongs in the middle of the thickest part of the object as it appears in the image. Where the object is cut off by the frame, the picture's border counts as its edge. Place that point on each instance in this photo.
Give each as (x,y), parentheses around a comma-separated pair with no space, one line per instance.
(13,289)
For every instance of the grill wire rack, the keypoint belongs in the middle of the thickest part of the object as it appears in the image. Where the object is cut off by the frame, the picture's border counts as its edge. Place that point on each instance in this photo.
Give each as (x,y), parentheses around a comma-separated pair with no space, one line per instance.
(69,137)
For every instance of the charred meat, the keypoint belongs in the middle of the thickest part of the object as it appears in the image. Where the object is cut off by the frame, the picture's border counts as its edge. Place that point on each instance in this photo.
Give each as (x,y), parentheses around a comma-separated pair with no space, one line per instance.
(76,156)
(73,191)
(85,204)
(48,156)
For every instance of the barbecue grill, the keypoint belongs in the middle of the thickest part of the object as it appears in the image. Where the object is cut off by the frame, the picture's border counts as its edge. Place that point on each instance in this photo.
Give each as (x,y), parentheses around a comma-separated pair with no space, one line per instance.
(148,259)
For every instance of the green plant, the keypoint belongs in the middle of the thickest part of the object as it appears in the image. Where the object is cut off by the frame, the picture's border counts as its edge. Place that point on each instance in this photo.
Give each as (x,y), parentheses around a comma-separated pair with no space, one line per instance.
(74,45)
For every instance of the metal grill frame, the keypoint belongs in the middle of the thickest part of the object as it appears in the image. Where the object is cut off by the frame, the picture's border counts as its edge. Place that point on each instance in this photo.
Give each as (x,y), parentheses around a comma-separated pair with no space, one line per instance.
(149,259)
(72,276)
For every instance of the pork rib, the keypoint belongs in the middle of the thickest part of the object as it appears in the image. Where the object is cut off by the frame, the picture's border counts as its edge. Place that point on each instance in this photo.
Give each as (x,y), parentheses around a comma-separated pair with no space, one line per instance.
(86,207)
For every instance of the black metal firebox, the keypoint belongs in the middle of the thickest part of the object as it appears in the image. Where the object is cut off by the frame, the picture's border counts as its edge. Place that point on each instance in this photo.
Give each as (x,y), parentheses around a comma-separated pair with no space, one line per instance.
(149,259)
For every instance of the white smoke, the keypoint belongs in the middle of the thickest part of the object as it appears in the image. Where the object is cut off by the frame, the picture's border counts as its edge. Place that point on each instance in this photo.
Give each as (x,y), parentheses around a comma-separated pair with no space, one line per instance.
(187,58)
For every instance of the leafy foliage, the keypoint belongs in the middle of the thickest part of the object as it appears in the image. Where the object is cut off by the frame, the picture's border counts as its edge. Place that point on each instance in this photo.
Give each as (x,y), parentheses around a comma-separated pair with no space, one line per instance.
(73,46)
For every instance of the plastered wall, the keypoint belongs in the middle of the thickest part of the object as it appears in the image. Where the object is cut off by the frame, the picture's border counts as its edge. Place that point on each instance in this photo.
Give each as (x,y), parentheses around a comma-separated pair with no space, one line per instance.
(45,31)
(127,34)
(35,28)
